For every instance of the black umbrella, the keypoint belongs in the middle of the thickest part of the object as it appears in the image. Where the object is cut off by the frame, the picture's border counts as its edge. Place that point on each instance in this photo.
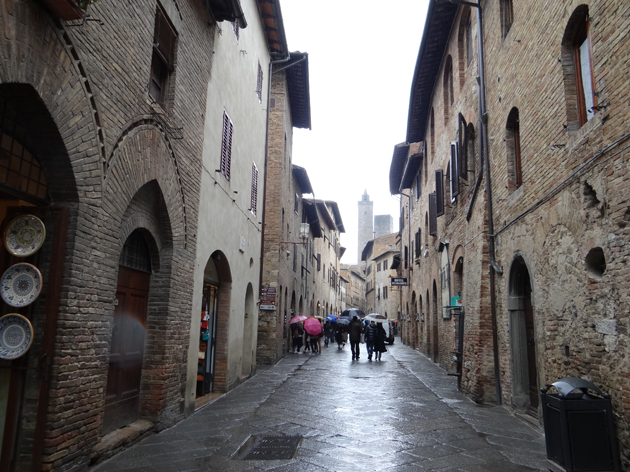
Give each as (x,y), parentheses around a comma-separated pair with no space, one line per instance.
(353,312)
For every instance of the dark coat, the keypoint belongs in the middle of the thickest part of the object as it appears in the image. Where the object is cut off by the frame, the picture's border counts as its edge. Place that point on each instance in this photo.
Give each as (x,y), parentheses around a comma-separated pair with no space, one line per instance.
(379,346)
(355,328)
(370,333)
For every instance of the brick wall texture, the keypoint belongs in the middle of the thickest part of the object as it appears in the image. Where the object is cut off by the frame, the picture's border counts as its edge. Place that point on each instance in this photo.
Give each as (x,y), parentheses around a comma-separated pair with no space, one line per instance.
(116,168)
(561,236)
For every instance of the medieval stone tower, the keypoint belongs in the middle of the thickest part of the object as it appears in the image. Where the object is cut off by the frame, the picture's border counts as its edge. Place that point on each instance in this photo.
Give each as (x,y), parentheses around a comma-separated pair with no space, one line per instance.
(366,223)
(383,225)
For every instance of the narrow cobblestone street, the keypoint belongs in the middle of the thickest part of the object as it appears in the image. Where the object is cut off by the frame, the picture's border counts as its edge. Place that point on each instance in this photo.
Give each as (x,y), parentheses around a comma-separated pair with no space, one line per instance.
(400,414)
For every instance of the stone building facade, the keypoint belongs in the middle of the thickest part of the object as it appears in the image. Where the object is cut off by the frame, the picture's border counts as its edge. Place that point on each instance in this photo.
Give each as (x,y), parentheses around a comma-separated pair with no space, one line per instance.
(378,256)
(383,225)
(355,289)
(523,211)
(327,252)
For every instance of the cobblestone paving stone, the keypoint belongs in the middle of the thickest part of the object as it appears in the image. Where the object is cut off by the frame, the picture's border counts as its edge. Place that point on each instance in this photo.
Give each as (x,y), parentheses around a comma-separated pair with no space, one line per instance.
(400,414)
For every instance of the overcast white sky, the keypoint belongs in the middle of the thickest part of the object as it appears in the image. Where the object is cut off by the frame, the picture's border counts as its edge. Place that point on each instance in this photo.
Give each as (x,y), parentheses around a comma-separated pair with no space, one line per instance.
(361,61)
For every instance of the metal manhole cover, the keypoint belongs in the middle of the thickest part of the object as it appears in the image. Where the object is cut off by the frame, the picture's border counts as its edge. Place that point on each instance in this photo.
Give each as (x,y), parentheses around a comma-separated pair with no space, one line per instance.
(261,448)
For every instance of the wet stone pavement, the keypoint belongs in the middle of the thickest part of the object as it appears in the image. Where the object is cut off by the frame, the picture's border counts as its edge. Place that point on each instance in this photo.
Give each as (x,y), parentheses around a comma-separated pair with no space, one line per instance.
(400,414)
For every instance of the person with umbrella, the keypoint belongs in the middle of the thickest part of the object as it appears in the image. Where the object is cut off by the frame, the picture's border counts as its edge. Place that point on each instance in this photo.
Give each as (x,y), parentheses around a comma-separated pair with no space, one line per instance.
(296,332)
(313,327)
(370,338)
(379,346)
(355,328)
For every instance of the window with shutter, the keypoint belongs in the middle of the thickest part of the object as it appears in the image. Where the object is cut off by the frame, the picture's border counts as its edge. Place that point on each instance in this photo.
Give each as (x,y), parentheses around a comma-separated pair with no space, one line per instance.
(462,149)
(439,192)
(513,144)
(163,59)
(418,185)
(432,214)
(254,202)
(319,262)
(226,146)
(454,177)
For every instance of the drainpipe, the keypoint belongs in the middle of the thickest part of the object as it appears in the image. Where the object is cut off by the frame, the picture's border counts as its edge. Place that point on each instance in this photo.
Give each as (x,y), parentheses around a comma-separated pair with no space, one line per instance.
(491,236)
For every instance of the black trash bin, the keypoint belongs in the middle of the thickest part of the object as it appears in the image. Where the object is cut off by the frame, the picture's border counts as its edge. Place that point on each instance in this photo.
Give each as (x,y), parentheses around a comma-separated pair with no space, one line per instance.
(579,428)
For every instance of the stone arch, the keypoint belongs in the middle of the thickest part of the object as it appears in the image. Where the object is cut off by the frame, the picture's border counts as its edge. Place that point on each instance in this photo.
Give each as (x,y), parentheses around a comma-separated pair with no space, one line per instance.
(463,47)
(457,277)
(523,337)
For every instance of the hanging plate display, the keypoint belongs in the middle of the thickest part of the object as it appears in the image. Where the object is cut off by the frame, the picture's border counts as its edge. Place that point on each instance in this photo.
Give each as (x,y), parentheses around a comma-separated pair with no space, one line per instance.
(16,336)
(24,235)
(21,284)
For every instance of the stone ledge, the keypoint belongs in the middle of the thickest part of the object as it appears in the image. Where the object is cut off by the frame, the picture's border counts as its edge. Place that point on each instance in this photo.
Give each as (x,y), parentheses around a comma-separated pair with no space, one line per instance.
(112,443)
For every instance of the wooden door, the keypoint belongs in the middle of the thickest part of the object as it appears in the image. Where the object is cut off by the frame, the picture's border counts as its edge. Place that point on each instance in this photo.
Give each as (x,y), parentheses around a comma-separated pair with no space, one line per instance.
(531,356)
(122,399)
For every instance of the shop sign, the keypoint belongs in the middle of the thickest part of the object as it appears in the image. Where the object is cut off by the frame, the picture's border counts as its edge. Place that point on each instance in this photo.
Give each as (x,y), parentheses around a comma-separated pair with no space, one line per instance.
(268,299)
(399,281)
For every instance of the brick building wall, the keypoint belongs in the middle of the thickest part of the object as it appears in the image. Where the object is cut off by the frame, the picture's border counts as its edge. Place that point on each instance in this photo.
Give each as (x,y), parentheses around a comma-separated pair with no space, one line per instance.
(113,165)
(560,232)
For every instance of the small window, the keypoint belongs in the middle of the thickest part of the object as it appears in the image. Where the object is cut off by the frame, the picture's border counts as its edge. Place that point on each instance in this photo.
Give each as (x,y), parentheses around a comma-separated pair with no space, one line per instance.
(135,253)
(384,292)
(439,192)
(254,200)
(418,188)
(432,214)
(226,146)
(163,60)
(259,84)
(296,203)
(507,17)
(385,263)
(378,267)
(449,97)
(513,143)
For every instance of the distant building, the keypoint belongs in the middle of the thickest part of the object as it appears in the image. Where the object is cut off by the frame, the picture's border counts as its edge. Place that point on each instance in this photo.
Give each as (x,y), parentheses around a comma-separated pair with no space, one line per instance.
(383,225)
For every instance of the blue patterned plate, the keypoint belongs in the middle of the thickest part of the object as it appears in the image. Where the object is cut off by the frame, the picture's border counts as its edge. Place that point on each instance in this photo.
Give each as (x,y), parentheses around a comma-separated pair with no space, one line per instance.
(21,284)
(16,336)
(24,235)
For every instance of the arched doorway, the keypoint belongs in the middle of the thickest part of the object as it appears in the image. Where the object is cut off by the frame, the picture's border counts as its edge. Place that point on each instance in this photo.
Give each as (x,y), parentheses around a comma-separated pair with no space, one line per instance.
(122,398)
(247,362)
(523,339)
(35,171)
(213,336)
(414,324)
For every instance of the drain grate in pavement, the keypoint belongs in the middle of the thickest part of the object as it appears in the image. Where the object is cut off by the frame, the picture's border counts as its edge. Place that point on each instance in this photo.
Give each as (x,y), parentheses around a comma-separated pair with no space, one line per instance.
(261,448)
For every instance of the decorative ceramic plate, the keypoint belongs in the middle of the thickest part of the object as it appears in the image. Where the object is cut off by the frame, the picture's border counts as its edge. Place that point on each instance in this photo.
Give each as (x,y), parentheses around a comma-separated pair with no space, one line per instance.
(21,284)
(16,336)
(24,235)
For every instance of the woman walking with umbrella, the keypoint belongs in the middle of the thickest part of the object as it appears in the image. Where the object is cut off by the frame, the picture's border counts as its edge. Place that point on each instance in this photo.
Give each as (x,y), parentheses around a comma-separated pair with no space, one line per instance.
(379,346)
(296,332)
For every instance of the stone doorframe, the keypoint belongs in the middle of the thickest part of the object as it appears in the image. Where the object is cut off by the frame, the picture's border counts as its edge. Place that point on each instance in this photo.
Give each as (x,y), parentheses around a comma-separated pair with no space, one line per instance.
(518,331)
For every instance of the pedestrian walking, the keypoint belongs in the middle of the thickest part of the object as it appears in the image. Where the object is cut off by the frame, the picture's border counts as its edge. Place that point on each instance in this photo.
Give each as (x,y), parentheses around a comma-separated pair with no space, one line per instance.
(329,332)
(355,328)
(370,338)
(379,346)
(339,337)
(296,333)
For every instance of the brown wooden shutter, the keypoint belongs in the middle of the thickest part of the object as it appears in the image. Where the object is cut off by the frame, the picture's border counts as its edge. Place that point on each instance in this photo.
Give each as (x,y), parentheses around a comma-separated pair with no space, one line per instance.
(454,170)
(432,214)
(226,146)
(439,192)
(463,148)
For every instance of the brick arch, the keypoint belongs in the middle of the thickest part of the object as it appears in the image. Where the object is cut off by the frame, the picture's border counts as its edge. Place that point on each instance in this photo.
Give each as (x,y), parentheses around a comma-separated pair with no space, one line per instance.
(131,129)
(63,90)
(144,156)
(462,58)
